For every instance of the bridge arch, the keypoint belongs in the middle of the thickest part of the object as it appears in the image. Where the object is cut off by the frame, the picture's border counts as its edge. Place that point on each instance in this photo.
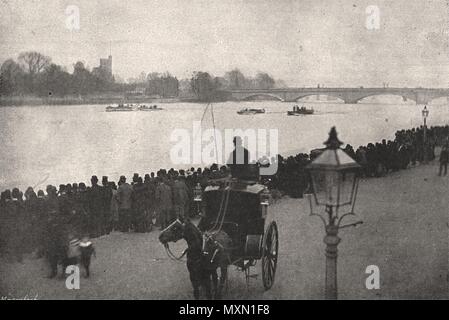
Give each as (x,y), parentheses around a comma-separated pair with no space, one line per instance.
(403,96)
(252,96)
(319,94)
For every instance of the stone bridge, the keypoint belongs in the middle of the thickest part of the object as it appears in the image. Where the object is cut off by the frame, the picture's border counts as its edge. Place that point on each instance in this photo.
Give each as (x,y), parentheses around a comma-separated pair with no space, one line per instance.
(348,95)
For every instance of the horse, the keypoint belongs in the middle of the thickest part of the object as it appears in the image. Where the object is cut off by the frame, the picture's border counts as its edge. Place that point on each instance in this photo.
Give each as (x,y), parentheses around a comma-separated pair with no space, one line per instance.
(216,250)
(199,275)
(205,254)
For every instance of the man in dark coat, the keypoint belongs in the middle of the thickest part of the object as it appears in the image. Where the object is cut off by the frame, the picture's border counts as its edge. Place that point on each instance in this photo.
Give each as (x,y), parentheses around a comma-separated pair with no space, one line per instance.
(41,212)
(150,201)
(238,160)
(444,159)
(139,206)
(10,226)
(55,243)
(65,204)
(96,208)
(31,222)
(79,219)
(107,196)
(18,224)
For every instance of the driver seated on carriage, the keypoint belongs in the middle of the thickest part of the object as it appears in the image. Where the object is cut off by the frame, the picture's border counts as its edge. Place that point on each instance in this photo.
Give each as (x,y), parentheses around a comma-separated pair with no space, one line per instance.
(238,162)
(233,206)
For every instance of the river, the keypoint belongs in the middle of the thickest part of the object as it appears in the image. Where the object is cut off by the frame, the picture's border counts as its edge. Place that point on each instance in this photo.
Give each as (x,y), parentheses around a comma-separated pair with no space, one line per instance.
(43,145)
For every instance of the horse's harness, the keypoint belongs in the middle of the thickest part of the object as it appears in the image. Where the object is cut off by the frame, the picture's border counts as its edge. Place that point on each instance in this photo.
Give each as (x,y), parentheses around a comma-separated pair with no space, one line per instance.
(205,237)
(170,254)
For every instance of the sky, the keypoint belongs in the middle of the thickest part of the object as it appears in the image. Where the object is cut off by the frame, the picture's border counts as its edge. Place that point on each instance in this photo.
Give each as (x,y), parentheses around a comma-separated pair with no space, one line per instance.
(303,42)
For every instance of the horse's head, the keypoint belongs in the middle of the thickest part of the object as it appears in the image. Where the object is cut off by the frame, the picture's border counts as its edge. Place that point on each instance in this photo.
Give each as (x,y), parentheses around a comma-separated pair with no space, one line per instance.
(173,233)
(209,244)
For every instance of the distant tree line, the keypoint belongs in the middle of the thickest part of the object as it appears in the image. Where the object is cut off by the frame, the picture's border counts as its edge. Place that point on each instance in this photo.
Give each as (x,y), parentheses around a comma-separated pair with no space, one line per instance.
(207,88)
(164,85)
(34,74)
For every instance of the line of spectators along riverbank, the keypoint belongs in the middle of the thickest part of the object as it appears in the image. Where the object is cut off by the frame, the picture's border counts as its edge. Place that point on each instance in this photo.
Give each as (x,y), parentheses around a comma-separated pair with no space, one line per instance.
(33,222)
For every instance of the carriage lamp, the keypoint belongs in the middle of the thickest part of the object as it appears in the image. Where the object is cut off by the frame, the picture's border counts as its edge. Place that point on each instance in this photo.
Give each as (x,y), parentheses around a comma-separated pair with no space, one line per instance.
(265,201)
(198,198)
(425,114)
(265,197)
(197,193)
(334,181)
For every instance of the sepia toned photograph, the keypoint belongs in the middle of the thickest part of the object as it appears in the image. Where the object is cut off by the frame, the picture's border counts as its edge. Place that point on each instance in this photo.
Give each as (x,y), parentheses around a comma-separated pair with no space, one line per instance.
(224,150)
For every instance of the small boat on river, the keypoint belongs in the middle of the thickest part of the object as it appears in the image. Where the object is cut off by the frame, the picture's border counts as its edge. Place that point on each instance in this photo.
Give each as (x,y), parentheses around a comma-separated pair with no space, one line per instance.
(149,108)
(120,107)
(300,111)
(247,111)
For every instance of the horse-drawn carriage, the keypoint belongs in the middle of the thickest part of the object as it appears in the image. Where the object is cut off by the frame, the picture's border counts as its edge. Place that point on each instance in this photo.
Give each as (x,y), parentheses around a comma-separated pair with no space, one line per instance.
(240,209)
(232,230)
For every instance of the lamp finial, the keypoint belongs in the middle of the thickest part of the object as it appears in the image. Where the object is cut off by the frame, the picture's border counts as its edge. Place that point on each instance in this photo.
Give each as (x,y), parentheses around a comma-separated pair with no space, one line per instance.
(333,142)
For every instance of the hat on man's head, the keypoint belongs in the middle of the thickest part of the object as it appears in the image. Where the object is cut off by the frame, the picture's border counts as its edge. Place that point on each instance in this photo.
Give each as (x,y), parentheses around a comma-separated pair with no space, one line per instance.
(94,179)
(122,179)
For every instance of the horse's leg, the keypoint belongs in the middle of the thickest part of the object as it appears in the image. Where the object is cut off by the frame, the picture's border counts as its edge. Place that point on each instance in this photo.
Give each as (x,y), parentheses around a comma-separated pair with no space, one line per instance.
(215,282)
(223,277)
(207,287)
(194,279)
(196,289)
(196,292)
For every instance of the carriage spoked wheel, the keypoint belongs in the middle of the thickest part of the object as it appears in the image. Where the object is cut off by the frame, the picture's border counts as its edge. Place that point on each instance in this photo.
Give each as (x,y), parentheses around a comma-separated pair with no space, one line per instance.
(270,255)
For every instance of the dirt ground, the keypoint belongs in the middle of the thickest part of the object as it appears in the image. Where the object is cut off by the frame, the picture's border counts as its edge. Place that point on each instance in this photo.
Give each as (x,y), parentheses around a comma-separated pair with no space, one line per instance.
(404,232)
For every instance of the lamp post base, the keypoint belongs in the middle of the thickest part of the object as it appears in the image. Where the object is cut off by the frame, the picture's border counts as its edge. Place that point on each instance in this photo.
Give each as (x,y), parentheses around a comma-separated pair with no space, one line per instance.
(331,240)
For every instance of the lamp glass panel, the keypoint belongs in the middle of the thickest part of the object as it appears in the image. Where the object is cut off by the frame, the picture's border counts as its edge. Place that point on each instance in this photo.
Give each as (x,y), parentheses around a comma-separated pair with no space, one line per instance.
(347,179)
(325,186)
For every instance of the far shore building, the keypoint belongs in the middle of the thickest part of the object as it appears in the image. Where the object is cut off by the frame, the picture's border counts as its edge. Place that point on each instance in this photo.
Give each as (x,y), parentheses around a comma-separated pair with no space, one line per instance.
(104,71)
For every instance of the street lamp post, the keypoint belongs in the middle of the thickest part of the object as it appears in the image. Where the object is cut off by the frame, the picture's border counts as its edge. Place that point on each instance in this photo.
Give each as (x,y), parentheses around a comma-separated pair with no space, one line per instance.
(425,114)
(334,176)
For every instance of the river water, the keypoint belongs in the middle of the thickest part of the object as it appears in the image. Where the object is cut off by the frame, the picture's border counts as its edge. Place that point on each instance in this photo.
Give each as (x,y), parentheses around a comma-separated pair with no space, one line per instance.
(42,145)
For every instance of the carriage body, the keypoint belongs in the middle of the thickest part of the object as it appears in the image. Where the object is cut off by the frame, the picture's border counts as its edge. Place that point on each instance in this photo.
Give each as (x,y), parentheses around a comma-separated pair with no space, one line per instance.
(240,209)
(242,218)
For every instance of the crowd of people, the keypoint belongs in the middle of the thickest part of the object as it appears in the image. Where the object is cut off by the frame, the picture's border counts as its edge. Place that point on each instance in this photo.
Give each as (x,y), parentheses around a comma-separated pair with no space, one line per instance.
(376,159)
(33,222)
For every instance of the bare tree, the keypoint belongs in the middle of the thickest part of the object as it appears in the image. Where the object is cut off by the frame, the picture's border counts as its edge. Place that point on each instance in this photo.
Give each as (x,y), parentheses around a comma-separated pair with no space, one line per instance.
(33,62)
(264,81)
(235,79)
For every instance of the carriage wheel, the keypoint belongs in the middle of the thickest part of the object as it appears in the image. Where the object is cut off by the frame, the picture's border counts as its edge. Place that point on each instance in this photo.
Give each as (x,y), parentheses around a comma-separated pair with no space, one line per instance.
(270,255)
